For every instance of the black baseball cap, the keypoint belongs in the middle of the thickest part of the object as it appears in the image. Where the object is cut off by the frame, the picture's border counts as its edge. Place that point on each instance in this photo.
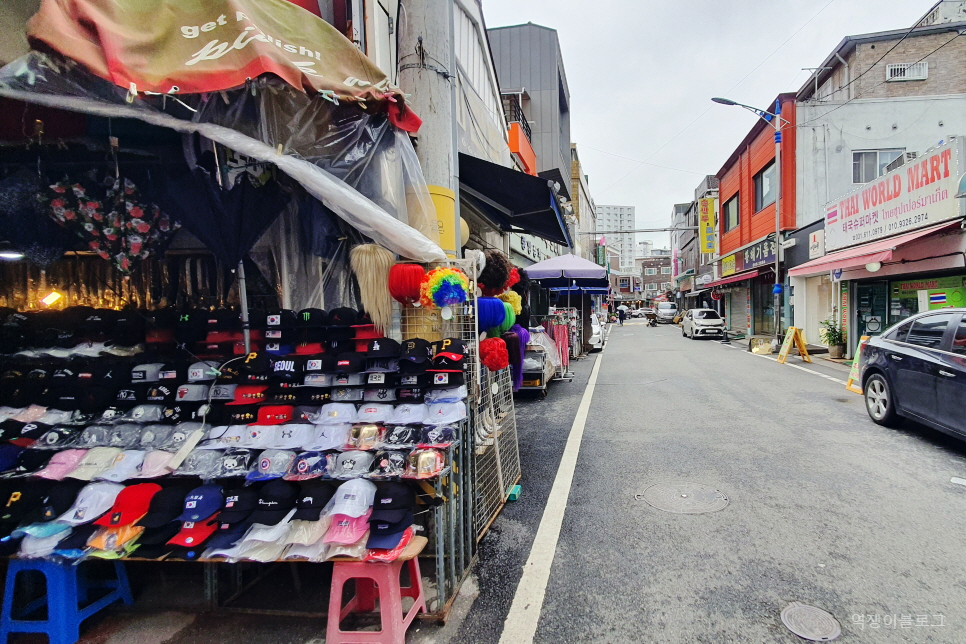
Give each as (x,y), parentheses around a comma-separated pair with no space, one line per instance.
(311,319)
(416,350)
(312,499)
(239,505)
(223,320)
(256,367)
(382,348)
(450,355)
(280,319)
(392,501)
(20,496)
(343,316)
(159,535)
(227,534)
(192,326)
(166,506)
(58,499)
(287,369)
(350,363)
(275,500)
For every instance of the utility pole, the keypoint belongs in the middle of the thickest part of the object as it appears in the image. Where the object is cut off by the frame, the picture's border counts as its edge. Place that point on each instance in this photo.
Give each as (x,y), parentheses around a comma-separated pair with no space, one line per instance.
(427,71)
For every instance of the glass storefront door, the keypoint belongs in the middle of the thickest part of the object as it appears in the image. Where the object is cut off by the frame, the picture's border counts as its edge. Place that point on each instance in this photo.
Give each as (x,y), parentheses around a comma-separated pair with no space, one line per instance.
(871,308)
(763,306)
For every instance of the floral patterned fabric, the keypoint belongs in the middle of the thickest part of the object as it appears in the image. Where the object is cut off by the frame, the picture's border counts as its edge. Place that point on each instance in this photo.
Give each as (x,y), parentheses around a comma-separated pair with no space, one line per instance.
(111,218)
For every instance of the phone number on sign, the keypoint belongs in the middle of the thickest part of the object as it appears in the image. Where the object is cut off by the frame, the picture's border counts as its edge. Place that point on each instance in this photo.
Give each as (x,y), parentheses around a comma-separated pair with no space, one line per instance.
(891,227)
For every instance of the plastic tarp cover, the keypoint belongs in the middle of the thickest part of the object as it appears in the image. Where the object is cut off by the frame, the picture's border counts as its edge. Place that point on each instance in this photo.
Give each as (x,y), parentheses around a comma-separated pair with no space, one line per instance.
(542,339)
(359,165)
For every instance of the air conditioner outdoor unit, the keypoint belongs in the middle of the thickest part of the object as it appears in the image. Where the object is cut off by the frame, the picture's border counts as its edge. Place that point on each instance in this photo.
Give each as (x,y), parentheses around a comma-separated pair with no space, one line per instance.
(901,160)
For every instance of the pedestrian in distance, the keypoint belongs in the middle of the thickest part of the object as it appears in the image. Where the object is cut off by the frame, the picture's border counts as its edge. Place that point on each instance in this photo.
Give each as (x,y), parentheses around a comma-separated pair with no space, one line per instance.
(621,314)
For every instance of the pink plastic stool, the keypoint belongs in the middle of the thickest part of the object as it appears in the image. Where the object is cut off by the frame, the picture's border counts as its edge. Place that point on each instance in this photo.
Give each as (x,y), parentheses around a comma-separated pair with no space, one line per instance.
(374,581)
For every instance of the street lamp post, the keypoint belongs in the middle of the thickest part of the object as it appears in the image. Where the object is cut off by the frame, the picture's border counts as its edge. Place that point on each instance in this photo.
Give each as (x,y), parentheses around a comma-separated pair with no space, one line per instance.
(775,120)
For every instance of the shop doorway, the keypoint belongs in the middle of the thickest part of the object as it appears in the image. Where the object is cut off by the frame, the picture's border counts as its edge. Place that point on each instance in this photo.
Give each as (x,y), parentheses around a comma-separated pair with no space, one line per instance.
(871,308)
(763,305)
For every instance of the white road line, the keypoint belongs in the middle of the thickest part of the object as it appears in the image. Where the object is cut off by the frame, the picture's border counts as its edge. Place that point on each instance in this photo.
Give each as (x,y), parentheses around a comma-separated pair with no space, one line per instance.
(521,622)
(793,366)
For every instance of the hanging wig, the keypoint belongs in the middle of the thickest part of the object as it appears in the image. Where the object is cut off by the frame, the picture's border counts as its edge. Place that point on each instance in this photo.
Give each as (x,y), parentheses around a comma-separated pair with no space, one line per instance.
(444,287)
(494,276)
(523,285)
(490,312)
(513,299)
(371,264)
(493,354)
(523,319)
(404,282)
(516,358)
(523,338)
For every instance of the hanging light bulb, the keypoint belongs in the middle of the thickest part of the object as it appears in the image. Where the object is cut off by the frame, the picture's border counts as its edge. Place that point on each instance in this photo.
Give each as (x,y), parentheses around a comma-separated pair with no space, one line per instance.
(50,298)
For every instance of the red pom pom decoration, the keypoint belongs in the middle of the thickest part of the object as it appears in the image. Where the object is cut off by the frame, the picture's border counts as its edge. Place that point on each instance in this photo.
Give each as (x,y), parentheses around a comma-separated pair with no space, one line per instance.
(494,354)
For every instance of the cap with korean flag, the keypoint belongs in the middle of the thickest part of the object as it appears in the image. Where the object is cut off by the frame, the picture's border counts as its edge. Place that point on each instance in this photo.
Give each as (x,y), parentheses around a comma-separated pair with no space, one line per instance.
(202,502)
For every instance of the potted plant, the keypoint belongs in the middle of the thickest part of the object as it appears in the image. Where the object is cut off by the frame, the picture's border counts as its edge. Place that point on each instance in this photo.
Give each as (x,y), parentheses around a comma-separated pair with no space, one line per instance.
(833,335)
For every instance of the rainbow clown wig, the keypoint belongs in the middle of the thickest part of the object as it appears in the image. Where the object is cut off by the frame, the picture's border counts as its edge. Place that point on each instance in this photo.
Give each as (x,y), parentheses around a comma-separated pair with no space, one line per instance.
(444,287)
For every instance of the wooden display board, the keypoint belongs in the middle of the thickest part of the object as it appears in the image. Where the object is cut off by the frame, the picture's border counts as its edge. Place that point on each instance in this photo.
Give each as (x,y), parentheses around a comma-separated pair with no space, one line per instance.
(793,336)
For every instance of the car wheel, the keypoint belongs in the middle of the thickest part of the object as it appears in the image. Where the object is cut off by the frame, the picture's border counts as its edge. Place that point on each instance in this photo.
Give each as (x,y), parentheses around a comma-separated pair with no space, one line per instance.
(879,401)
(683,334)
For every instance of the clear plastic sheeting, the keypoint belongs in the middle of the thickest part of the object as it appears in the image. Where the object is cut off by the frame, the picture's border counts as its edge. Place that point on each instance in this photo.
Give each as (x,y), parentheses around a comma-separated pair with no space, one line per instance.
(540,338)
(358,164)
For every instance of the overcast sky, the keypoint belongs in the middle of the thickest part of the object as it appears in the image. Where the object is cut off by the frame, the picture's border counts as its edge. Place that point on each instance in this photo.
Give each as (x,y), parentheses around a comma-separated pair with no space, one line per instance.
(642,73)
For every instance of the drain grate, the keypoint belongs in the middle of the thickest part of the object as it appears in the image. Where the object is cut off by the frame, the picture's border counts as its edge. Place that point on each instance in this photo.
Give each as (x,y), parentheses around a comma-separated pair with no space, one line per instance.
(810,623)
(684,498)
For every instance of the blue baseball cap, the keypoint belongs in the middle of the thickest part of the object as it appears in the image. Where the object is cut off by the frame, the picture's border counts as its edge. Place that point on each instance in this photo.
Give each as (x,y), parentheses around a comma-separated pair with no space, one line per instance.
(201,503)
(386,536)
(228,534)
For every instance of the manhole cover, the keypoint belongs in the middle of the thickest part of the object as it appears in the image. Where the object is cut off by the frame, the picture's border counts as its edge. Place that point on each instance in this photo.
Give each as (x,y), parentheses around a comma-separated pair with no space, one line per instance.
(810,623)
(684,498)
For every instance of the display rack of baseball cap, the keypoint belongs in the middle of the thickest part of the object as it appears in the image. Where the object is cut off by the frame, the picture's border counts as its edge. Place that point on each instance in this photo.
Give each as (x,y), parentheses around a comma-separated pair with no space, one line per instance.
(264,435)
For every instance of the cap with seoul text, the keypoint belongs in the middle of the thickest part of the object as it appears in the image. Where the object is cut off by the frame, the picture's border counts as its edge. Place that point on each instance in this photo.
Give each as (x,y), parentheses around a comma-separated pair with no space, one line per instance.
(201,503)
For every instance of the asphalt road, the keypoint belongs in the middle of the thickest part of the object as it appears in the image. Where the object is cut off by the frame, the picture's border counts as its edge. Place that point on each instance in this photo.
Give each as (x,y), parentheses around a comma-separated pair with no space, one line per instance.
(826,508)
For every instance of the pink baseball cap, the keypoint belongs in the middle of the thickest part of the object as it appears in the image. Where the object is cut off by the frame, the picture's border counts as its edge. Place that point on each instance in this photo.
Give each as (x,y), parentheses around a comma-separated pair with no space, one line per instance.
(62,464)
(155,464)
(345,529)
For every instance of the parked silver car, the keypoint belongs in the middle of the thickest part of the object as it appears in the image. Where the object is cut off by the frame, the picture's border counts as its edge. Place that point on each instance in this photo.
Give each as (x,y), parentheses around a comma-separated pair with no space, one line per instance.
(702,323)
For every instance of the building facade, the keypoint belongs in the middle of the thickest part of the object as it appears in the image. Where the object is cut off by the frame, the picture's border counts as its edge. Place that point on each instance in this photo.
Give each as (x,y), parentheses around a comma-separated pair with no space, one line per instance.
(655,272)
(585,242)
(619,218)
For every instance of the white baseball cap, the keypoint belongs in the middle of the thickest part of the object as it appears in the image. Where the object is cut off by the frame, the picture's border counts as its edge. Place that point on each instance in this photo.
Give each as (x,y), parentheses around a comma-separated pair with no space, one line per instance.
(374,413)
(410,414)
(149,372)
(95,461)
(192,393)
(94,500)
(453,394)
(292,436)
(444,413)
(354,498)
(201,371)
(327,437)
(126,465)
(155,464)
(336,414)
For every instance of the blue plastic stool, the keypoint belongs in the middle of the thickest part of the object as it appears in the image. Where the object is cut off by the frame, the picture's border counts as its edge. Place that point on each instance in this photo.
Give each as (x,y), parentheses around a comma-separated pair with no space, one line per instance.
(67,589)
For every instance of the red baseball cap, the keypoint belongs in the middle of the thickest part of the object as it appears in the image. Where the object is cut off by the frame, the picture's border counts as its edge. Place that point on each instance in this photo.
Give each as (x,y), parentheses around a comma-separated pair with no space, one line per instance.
(274,414)
(130,505)
(249,394)
(194,533)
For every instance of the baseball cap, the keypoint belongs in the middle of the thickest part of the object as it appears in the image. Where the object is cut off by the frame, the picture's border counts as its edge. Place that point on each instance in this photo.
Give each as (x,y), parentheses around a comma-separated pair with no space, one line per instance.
(346,529)
(272,464)
(161,393)
(350,363)
(374,413)
(147,372)
(309,395)
(56,500)
(387,464)
(159,535)
(282,395)
(191,326)
(385,535)
(450,394)
(224,393)
(28,462)
(155,464)
(381,370)
(336,414)
(305,414)
(123,435)
(144,414)
(125,465)
(392,500)
(248,394)
(201,503)
(239,505)
(352,465)
(95,461)
(95,436)
(365,436)
(416,350)
(409,413)
(413,394)
(114,538)
(343,316)
(130,505)
(194,533)
(192,393)
(380,394)
(445,413)
(256,367)
(153,436)
(354,498)
(311,319)
(39,547)
(165,507)
(203,463)
(307,465)
(8,455)
(312,499)
(42,530)
(227,534)
(291,436)
(318,380)
(401,436)
(329,437)
(257,436)
(18,497)
(276,500)
(202,372)
(179,434)
(92,501)
(229,374)
(348,379)
(382,348)
(446,379)
(347,394)
(236,462)
(441,436)
(424,463)
(274,414)
(62,464)
(286,369)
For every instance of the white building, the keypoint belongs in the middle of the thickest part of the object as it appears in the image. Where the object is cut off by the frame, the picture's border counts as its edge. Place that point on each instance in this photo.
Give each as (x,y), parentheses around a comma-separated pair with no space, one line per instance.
(619,218)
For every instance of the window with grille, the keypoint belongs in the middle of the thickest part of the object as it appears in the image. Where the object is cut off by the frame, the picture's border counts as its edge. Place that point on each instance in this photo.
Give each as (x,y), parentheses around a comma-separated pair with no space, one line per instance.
(907,71)
(869,165)
(665,270)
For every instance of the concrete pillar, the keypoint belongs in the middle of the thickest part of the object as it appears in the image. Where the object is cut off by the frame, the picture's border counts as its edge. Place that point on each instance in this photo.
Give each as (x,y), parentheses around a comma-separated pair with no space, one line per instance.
(427,71)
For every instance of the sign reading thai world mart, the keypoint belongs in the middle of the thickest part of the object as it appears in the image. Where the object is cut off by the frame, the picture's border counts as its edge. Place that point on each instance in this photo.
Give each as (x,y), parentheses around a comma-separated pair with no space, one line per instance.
(915,195)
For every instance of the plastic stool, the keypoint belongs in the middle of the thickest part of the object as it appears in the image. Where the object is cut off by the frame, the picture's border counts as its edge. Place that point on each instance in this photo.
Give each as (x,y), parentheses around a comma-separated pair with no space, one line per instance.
(66,590)
(374,581)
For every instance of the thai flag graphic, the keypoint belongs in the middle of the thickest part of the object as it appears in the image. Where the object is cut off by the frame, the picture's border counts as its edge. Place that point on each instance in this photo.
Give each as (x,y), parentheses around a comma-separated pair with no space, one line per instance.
(832,215)
(937,298)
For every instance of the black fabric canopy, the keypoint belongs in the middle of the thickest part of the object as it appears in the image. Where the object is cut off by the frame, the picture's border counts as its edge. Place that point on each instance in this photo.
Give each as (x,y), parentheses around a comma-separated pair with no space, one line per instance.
(513,199)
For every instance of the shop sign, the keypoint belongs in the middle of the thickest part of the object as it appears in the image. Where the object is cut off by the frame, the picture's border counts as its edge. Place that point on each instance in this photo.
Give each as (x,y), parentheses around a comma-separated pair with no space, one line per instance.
(816,244)
(601,250)
(729,265)
(761,253)
(932,293)
(706,225)
(844,309)
(705,279)
(915,195)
